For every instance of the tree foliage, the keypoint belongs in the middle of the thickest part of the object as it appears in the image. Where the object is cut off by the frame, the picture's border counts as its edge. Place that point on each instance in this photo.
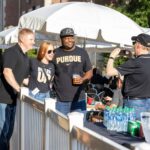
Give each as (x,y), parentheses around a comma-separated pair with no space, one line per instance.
(118,61)
(137,10)
(32,53)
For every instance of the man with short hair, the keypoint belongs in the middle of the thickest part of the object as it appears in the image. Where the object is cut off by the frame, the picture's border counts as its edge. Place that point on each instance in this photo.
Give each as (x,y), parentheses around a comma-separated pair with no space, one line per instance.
(136,74)
(70,61)
(15,70)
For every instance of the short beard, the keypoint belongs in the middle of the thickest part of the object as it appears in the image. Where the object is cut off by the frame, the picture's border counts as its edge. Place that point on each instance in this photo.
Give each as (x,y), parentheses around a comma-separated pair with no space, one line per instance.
(69,48)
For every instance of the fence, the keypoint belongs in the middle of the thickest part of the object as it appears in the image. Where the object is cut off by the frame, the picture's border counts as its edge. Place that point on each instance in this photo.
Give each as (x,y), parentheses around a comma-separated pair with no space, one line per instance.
(39,126)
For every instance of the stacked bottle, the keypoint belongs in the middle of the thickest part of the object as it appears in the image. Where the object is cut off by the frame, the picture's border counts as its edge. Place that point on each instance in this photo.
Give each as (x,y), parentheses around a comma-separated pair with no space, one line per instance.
(105,118)
(116,119)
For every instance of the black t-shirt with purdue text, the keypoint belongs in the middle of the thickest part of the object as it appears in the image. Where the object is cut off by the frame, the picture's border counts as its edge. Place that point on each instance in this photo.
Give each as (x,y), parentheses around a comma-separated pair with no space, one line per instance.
(68,63)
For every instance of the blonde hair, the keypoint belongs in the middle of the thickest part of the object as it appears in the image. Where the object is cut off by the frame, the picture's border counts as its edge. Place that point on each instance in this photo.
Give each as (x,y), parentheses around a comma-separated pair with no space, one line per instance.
(23,32)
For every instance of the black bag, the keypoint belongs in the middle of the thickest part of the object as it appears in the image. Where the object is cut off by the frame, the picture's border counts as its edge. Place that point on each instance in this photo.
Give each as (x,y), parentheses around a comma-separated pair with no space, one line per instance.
(52,93)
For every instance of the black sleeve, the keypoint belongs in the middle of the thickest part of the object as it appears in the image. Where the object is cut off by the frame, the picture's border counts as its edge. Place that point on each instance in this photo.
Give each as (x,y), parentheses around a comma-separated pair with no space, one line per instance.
(129,67)
(9,60)
(87,62)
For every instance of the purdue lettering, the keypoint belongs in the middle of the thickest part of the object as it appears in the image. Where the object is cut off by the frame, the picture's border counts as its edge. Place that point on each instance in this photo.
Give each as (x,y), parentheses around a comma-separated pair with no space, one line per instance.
(66,59)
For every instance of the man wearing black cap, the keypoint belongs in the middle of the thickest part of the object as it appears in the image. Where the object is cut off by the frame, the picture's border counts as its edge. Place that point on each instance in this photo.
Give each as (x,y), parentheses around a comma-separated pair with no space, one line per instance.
(136,72)
(70,61)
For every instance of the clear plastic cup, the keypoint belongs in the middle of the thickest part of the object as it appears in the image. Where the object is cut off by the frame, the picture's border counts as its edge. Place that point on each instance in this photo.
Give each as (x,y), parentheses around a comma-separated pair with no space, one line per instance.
(145,120)
(75,78)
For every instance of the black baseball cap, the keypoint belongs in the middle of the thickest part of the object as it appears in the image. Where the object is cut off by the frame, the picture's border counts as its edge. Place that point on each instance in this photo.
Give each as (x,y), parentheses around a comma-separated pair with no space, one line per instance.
(67,32)
(143,38)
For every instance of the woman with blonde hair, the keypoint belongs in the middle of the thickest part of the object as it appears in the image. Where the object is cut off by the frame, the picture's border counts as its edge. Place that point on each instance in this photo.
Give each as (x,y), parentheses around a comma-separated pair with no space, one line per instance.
(42,72)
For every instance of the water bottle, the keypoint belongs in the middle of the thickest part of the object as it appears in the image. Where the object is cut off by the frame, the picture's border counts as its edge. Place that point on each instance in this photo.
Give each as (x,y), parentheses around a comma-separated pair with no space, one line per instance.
(105,118)
(131,114)
(111,120)
(115,119)
(119,120)
(125,120)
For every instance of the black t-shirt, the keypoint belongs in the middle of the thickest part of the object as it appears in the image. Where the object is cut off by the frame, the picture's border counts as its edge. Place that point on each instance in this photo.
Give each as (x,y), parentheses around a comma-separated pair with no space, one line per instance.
(16,60)
(37,76)
(66,64)
(136,74)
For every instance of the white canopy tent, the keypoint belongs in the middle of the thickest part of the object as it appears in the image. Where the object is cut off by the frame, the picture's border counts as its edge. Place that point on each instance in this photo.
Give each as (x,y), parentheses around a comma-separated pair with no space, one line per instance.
(145,30)
(9,36)
(89,20)
(148,32)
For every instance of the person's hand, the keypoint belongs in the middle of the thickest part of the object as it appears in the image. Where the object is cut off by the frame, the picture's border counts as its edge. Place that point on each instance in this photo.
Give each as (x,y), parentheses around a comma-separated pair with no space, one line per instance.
(78,80)
(99,106)
(115,53)
(113,105)
(107,98)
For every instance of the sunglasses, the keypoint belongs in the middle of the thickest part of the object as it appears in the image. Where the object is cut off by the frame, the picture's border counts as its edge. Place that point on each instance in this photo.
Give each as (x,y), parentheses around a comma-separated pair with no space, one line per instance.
(133,43)
(51,51)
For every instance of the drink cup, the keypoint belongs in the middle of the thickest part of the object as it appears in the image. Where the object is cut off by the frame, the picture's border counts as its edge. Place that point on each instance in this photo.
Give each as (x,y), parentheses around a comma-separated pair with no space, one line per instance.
(90,100)
(75,78)
(145,120)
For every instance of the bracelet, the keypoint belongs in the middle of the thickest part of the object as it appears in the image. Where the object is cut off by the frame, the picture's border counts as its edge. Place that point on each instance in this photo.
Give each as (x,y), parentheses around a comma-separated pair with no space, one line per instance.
(111,58)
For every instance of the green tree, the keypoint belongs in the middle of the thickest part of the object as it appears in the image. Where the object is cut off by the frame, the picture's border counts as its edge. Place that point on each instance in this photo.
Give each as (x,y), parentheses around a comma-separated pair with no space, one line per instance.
(137,10)
(32,53)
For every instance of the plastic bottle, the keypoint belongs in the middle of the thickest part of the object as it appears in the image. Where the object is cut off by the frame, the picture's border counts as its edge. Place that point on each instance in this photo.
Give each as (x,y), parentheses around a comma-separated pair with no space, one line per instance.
(125,120)
(111,121)
(105,118)
(119,119)
(131,114)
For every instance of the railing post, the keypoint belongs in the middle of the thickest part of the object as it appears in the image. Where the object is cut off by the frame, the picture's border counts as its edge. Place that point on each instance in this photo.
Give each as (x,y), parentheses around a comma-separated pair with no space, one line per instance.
(49,104)
(23,92)
(22,125)
(75,119)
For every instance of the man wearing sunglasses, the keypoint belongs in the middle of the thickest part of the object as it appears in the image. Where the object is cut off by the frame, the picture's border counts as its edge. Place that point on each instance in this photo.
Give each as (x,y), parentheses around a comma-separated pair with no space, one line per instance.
(136,74)
(71,61)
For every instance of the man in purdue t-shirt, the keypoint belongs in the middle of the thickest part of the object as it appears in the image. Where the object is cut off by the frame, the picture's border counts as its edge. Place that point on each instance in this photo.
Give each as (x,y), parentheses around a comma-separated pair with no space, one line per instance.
(69,60)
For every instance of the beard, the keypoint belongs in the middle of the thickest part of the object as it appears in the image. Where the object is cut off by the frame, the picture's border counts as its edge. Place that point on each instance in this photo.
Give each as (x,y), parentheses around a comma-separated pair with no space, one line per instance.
(69,47)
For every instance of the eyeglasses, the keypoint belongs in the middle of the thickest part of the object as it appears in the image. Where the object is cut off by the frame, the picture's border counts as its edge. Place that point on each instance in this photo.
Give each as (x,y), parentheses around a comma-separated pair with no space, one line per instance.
(50,51)
(133,43)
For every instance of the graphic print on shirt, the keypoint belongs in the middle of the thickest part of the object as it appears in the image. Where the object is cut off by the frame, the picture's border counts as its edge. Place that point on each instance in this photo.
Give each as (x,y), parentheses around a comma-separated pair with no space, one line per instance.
(67,59)
(41,75)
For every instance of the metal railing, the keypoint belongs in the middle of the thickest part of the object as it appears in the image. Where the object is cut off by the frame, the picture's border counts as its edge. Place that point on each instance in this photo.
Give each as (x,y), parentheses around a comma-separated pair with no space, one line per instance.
(39,126)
